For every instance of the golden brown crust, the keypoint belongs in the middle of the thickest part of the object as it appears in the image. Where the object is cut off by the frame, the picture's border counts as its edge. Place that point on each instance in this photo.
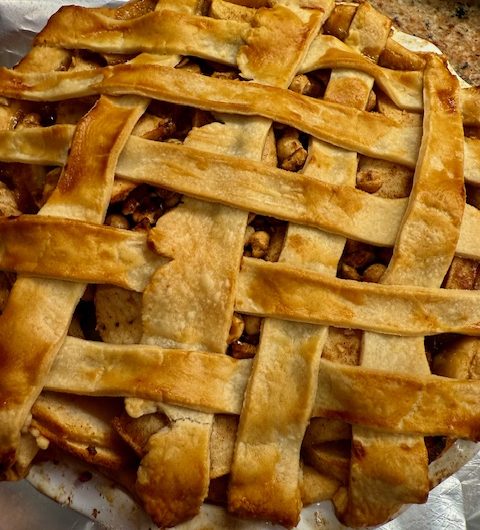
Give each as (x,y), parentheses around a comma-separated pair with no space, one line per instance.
(255,187)
(171,496)
(219,40)
(217,263)
(225,378)
(172,480)
(280,291)
(470,104)
(404,88)
(387,471)
(393,471)
(385,138)
(286,360)
(188,302)
(36,145)
(31,335)
(472,160)
(435,210)
(52,86)
(230,11)
(398,57)
(73,250)
(255,58)
(264,452)
(423,408)
(161,32)
(81,426)
(353,394)
(271,430)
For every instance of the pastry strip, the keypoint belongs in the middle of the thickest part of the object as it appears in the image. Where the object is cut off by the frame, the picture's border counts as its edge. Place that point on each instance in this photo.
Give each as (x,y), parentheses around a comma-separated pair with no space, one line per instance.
(280,291)
(49,146)
(276,410)
(164,482)
(215,383)
(169,32)
(31,334)
(374,135)
(248,185)
(472,161)
(267,449)
(470,104)
(185,311)
(378,485)
(255,187)
(403,88)
(36,145)
(274,280)
(161,32)
(68,249)
(49,86)
(170,495)
(203,381)
(368,32)
(189,304)
(422,404)
(174,483)
(229,11)
(217,262)
(81,426)
(436,204)
(36,60)
(287,360)
(258,58)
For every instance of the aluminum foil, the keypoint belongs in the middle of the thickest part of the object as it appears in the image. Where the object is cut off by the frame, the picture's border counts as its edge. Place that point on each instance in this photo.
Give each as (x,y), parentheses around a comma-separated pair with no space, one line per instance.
(453,504)
(21,20)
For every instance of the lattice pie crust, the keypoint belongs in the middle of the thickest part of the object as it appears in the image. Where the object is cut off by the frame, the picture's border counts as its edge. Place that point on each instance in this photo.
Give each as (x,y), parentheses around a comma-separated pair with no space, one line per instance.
(199,294)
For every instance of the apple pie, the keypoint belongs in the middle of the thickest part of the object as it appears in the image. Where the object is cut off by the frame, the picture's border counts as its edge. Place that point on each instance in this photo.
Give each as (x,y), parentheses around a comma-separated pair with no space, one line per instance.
(239,257)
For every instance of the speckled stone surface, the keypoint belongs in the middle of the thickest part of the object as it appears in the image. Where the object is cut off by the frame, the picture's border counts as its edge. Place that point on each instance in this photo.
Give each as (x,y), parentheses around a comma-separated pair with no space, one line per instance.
(453,26)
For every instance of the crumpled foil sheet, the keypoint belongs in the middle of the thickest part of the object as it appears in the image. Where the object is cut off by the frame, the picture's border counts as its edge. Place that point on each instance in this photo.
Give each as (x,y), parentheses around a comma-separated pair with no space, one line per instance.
(452,505)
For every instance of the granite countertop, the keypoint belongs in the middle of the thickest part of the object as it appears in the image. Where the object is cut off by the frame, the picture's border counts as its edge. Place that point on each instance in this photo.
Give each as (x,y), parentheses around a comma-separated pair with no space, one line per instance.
(453,26)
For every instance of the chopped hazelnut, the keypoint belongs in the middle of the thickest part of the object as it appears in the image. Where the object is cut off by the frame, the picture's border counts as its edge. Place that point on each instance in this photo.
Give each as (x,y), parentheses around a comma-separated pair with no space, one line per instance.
(295,161)
(290,151)
(259,242)
(236,328)
(349,273)
(243,350)
(374,272)
(30,120)
(252,324)
(300,84)
(117,221)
